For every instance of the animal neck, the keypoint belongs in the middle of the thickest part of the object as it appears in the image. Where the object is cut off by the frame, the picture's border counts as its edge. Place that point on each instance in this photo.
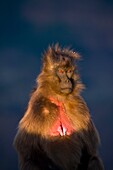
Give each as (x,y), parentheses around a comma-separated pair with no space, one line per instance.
(60,106)
(62,125)
(56,101)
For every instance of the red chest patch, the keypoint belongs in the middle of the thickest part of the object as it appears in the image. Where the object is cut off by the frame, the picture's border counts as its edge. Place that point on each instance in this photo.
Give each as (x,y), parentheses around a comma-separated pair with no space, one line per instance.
(63,125)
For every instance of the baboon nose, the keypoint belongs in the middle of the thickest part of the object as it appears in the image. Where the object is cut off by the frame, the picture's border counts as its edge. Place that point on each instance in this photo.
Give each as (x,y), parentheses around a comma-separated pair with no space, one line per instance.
(67,80)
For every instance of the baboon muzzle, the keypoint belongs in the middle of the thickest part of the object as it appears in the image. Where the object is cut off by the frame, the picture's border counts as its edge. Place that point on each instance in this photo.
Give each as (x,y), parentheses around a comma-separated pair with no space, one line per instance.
(66,85)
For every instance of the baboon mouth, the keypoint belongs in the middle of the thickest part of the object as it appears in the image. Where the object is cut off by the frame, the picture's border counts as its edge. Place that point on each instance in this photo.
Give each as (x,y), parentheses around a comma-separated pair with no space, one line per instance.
(66,90)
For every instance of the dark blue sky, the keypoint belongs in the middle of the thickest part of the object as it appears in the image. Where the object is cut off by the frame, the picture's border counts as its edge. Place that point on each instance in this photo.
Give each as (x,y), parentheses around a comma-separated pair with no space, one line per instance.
(27,27)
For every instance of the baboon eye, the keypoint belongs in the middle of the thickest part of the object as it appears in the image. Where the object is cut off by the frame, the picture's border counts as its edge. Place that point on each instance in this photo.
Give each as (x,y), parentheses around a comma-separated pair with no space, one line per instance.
(69,71)
(61,71)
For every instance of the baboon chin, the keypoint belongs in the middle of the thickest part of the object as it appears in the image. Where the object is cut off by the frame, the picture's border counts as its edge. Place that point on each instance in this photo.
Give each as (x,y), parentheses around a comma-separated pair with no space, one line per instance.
(56,132)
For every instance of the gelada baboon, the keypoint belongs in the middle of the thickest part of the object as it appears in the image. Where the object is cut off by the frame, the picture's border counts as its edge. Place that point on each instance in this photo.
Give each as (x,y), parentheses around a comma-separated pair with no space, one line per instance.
(56,132)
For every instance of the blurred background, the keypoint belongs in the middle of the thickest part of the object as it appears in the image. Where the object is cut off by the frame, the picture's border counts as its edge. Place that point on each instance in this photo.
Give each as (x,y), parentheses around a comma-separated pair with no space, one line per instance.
(27,27)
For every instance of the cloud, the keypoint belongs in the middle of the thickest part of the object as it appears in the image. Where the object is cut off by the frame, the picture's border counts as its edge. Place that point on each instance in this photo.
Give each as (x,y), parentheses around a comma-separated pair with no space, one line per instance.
(70,12)
(91,21)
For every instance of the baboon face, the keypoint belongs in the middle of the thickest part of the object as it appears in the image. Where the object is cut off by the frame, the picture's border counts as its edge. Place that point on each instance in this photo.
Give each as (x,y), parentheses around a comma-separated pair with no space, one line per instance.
(65,75)
(60,70)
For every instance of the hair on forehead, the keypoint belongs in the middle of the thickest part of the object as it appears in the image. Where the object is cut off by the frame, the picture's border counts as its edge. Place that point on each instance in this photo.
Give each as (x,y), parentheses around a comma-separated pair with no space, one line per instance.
(55,54)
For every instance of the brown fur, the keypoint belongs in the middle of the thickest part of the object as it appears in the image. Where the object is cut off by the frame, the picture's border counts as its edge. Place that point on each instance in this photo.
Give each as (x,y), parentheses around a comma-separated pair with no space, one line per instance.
(38,150)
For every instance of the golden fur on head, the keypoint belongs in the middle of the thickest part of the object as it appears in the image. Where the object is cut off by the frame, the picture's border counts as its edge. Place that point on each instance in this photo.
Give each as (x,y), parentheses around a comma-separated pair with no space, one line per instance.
(54,57)
(54,53)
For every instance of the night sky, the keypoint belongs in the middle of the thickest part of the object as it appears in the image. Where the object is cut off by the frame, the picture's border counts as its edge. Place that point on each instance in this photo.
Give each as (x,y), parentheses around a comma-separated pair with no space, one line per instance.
(27,27)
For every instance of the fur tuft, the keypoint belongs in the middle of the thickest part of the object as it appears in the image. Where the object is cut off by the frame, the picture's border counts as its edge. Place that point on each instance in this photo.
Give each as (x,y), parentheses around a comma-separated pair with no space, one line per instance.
(54,53)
